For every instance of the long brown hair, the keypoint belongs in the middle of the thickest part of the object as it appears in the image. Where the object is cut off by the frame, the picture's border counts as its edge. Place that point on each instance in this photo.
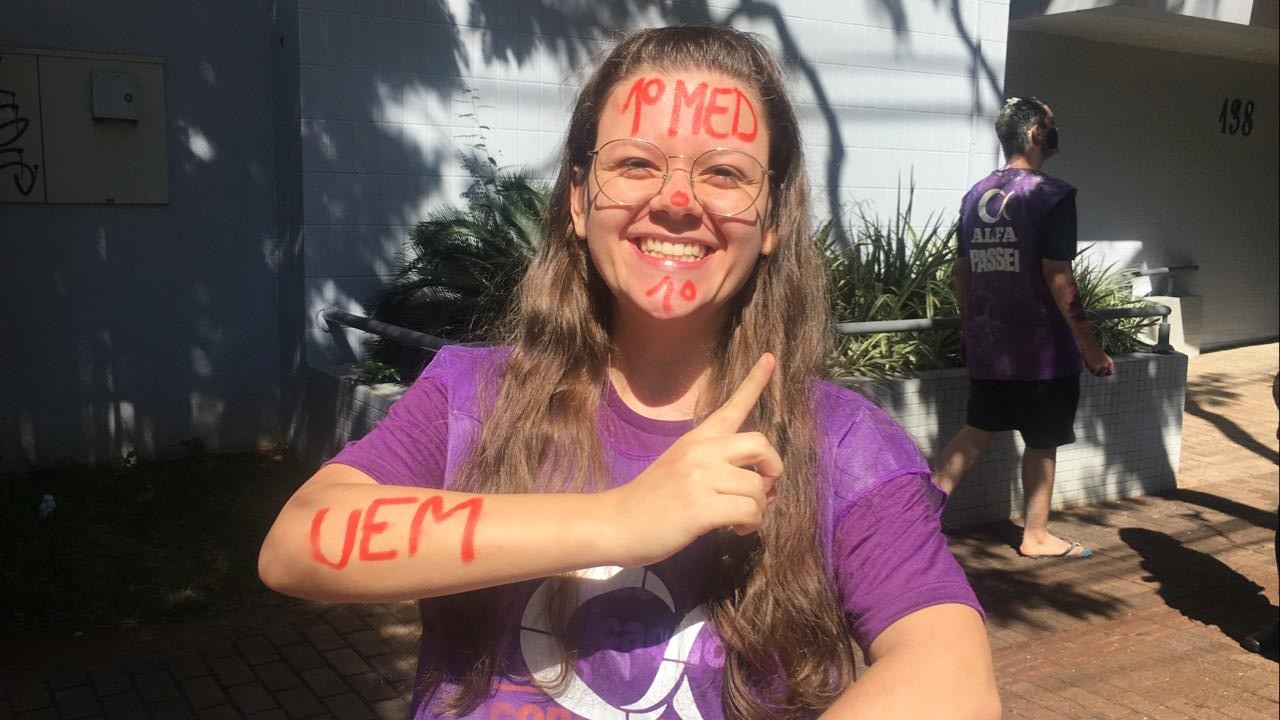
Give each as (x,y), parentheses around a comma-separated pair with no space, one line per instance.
(768,594)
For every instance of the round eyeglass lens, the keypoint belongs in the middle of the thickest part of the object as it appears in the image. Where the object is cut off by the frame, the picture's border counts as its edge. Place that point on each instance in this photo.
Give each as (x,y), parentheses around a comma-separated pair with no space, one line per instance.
(726,182)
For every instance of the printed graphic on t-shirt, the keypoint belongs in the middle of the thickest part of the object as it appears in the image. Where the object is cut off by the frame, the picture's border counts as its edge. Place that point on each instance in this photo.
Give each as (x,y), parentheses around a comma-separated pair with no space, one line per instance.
(993,247)
(641,659)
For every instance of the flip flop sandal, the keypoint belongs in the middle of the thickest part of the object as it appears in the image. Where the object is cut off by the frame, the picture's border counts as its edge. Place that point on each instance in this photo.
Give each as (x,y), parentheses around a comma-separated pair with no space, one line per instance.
(1065,554)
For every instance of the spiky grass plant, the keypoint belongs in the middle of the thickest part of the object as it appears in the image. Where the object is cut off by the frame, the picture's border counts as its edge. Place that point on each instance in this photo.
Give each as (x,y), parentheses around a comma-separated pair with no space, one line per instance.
(898,270)
(460,269)
(1103,286)
(895,270)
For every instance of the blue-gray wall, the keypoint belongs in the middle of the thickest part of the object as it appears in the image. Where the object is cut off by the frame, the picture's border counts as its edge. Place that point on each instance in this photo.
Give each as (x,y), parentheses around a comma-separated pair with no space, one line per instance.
(136,327)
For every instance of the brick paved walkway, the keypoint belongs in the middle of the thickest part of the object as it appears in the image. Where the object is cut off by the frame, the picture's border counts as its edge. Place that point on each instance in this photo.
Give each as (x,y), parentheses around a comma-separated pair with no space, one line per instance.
(1149,628)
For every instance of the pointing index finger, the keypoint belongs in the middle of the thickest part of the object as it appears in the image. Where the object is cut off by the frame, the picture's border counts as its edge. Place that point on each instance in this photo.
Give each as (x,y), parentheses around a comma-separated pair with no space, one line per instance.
(730,417)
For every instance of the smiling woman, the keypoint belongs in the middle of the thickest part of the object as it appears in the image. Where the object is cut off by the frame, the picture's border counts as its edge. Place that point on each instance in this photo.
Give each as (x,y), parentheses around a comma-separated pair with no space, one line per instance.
(654,449)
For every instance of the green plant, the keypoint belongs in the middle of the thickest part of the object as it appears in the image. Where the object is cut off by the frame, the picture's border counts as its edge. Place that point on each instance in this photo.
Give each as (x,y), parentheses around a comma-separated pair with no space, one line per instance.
(373,372)
(461,267)
(897,270)
(1102,286)
(893,270)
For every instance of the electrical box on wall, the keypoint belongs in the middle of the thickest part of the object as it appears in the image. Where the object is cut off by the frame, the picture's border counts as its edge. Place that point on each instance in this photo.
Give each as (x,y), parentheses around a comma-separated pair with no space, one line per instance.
(82,128)
(115,95)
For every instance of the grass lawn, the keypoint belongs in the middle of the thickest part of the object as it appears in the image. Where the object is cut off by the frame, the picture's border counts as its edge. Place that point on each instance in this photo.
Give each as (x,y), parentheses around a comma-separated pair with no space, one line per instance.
(132,543)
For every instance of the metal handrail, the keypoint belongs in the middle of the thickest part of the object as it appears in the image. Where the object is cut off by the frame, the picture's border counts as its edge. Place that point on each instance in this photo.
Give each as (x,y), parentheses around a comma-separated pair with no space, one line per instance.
(1163,270)
(1150,309)
(1168,273)
(334,319)
(412,338)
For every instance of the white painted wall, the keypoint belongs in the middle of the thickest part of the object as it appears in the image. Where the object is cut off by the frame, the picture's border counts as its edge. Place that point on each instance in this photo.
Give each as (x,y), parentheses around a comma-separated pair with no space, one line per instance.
(886,91)
(1159,183)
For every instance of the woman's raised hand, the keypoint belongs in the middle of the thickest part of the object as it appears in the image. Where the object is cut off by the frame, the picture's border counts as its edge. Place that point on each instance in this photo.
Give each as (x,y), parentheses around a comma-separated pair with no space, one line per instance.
(714,476)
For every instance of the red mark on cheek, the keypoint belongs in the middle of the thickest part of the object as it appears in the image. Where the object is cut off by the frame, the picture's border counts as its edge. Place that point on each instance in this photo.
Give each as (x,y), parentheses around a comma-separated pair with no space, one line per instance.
(688,292)
(434,506)
(645,91)
(679,199)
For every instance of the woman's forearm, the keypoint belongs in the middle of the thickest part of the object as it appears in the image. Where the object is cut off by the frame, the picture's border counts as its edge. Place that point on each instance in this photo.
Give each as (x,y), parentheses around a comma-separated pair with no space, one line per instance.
(347,539)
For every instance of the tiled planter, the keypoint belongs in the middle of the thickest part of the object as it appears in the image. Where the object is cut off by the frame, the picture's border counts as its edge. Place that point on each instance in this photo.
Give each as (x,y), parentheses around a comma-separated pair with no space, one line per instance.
(1128,436)
(1128,431)
(335,410)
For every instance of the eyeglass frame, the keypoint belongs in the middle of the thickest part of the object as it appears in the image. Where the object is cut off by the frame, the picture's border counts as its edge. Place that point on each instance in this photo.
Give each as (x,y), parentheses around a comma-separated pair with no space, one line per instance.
(666,176)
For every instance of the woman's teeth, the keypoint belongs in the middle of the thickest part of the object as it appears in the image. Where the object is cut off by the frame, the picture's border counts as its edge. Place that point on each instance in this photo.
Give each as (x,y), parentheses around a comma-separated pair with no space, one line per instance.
(667,250)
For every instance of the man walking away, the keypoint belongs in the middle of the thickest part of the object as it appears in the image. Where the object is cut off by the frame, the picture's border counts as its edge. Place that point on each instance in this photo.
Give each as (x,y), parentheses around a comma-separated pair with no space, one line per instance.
(1024,324)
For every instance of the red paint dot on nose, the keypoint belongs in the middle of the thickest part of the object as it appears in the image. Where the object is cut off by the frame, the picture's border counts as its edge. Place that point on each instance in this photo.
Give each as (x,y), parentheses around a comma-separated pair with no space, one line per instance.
(679,199)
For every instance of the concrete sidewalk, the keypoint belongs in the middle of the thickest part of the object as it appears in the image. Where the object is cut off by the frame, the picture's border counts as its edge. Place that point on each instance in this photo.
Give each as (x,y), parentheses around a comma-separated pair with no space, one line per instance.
(1148,628)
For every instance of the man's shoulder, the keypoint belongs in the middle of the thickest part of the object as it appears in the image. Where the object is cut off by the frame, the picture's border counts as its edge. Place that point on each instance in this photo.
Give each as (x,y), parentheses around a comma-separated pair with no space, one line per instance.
(1055,184)
(989,180)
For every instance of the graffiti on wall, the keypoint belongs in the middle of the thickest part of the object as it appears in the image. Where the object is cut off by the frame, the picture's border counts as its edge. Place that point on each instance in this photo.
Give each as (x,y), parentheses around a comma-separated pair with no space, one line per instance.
(21,146)
(13,126)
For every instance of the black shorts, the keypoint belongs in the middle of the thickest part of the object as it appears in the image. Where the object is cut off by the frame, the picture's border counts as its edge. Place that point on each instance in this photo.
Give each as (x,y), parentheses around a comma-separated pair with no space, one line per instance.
(1043,411)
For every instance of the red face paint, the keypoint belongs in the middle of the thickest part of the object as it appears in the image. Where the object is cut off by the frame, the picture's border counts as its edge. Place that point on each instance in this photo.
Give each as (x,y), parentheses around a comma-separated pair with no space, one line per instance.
(688,291)
(710,108)
(666,286)
(646,91)
(684,97)
(679,199)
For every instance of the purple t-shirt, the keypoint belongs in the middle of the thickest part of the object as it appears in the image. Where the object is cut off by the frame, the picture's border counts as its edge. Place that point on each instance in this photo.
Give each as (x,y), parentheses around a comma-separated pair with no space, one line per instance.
(1013,329)
(648,649)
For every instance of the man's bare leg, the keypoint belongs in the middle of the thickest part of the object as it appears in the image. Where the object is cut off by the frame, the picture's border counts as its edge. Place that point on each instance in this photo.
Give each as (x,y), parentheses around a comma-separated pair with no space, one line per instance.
(1038,468)
(959,455)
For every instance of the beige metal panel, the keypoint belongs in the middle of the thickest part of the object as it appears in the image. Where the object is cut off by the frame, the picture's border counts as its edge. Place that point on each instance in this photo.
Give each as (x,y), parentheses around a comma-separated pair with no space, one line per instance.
(102,161)
(21,149)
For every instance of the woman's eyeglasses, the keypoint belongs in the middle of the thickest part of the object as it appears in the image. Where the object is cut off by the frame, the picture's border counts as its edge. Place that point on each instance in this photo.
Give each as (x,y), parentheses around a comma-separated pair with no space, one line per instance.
(725,182)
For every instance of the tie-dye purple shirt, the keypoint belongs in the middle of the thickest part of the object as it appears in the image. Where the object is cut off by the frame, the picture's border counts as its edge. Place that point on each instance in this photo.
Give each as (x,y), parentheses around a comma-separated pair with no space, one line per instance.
(647,649)
(1013,329)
